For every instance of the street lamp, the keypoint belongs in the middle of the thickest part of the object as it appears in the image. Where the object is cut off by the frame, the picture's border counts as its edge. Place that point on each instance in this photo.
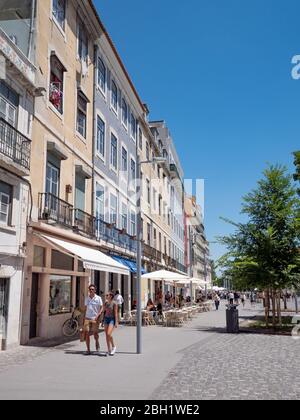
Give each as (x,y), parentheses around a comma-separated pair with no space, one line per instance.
(156,160)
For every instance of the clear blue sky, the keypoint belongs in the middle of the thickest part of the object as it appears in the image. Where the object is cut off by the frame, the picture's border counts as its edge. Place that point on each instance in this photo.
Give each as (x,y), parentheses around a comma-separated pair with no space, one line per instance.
(219,73)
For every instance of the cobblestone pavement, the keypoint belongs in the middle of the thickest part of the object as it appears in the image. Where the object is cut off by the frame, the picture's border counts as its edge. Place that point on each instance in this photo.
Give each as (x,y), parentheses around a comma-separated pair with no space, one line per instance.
(244,366)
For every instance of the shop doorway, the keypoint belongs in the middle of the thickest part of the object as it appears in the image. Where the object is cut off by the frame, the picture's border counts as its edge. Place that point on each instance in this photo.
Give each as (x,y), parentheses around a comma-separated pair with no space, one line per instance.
(4,298)
(33,305)
(77,297)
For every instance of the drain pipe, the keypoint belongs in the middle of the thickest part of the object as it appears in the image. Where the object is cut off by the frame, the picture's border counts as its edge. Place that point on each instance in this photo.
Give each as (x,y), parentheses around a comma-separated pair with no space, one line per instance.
(32,29)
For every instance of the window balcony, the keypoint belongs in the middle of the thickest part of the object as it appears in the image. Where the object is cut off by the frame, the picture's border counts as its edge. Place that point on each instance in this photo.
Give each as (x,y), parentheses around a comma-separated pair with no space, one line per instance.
(110,234)
(53,209)
(84,223)
(15,149)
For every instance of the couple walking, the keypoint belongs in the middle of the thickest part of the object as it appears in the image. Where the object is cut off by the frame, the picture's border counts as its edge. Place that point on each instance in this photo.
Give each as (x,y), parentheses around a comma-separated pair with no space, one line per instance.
(94,309)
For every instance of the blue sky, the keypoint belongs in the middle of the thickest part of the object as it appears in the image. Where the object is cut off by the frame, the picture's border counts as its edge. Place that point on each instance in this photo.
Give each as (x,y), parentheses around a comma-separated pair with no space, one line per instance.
(219,73)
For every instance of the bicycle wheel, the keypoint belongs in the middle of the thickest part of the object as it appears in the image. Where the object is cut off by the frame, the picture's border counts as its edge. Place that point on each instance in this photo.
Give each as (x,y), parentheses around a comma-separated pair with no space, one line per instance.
(70,327)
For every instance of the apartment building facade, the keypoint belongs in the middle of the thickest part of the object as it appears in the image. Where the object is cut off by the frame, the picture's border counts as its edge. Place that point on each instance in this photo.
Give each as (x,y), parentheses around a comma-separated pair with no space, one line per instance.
(196,245)
(63,251)
(173,207)
(118,109)
(17,91)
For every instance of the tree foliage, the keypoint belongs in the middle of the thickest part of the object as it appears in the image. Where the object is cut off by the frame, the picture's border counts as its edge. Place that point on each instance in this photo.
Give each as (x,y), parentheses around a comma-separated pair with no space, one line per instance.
(264,252)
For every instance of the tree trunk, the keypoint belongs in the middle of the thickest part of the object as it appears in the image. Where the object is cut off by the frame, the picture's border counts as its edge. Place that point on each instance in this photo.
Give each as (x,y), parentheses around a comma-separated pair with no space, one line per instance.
(273,308)
(279,308)
(267,307)
(285,301)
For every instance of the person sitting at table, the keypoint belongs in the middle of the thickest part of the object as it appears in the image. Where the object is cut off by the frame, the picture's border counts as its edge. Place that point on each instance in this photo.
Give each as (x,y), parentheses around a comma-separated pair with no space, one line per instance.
(151,306)
(134,305)
(159,308)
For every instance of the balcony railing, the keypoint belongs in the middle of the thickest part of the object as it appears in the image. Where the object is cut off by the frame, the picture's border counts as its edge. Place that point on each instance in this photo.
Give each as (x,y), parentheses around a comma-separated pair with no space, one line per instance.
(109,233)
(170,262)
(84,222)
(52,208)
(14,144)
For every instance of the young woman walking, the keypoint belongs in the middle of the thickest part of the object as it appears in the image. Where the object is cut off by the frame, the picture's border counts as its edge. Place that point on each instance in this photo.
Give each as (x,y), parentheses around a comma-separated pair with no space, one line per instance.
(111,321)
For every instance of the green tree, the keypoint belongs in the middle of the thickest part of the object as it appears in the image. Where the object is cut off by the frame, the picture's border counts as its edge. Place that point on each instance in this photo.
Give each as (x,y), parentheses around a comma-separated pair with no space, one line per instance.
(264,252)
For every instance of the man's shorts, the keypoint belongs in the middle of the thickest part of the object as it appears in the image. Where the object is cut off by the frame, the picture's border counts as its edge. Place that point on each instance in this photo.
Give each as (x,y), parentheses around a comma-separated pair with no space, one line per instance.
(91,326)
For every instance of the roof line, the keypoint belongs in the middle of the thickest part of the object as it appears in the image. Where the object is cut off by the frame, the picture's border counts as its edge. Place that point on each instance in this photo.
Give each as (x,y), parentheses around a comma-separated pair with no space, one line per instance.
(117,54)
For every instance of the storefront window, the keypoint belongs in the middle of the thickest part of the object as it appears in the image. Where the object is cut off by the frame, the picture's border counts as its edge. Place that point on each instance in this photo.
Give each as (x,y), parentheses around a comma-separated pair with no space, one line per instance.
(60,295)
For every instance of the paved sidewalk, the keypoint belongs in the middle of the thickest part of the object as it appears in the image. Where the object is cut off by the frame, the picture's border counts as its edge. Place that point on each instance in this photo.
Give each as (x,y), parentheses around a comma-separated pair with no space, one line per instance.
(176,363)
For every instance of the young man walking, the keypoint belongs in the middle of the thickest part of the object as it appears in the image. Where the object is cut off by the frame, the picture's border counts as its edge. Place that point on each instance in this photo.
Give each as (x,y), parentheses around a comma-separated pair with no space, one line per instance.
(93,312)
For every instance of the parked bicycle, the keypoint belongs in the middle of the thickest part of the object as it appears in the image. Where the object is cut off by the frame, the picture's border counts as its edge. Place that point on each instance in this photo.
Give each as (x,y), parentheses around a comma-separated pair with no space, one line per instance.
(71,326)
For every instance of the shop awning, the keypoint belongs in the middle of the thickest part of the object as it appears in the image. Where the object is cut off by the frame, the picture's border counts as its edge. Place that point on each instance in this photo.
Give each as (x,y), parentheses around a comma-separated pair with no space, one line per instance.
(92,258)
(128,263)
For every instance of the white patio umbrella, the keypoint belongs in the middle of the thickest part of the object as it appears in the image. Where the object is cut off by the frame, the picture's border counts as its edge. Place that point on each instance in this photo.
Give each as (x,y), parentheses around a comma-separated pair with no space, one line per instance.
(166,277)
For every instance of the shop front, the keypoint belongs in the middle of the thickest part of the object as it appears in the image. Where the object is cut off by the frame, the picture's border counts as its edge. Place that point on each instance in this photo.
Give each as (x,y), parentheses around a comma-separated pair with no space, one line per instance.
(57,282)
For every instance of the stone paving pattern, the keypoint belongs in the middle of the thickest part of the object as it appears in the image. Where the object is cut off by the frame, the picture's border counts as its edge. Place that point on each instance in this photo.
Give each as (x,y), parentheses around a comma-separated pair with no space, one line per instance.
(198,362)
(246,366)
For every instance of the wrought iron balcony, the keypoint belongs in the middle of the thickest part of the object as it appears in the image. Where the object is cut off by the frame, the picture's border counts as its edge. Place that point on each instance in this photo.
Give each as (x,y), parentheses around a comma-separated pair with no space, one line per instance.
(84,223)
(110,234)
(14,145)
(52,208)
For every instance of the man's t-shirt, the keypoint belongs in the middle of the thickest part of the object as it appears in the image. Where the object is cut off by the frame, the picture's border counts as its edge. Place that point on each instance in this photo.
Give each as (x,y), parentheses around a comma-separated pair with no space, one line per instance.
(118,299)
(93,307)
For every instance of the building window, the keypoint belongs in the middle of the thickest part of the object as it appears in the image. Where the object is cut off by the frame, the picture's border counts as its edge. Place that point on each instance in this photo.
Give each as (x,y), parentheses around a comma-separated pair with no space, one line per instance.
(133,170)
(113,208)
(38,256)
(60,295)
(140,139)
(100,207)
(82,41)
(133,223)
(114,96)
(147,151)
(81,114)
(56,90)
(114,152)
(100,136)
(124,160)
(5,203)
(52,179)
(154,239)
(124,217)
(9,102)
(59,12)
(154,199)
(149,234)
(148,191)
(124,113)
(101,75)
(133,126)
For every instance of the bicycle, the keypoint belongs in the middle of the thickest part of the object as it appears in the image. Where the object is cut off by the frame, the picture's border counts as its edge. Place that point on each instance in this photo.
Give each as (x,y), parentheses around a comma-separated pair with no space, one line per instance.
(71,326)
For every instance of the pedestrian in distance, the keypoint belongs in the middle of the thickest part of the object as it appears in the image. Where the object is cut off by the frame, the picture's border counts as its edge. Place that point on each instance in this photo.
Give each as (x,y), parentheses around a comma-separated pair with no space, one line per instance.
(244,298)
(92,315)
(231,298)
(217,301)
(118,300)
(111,322)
